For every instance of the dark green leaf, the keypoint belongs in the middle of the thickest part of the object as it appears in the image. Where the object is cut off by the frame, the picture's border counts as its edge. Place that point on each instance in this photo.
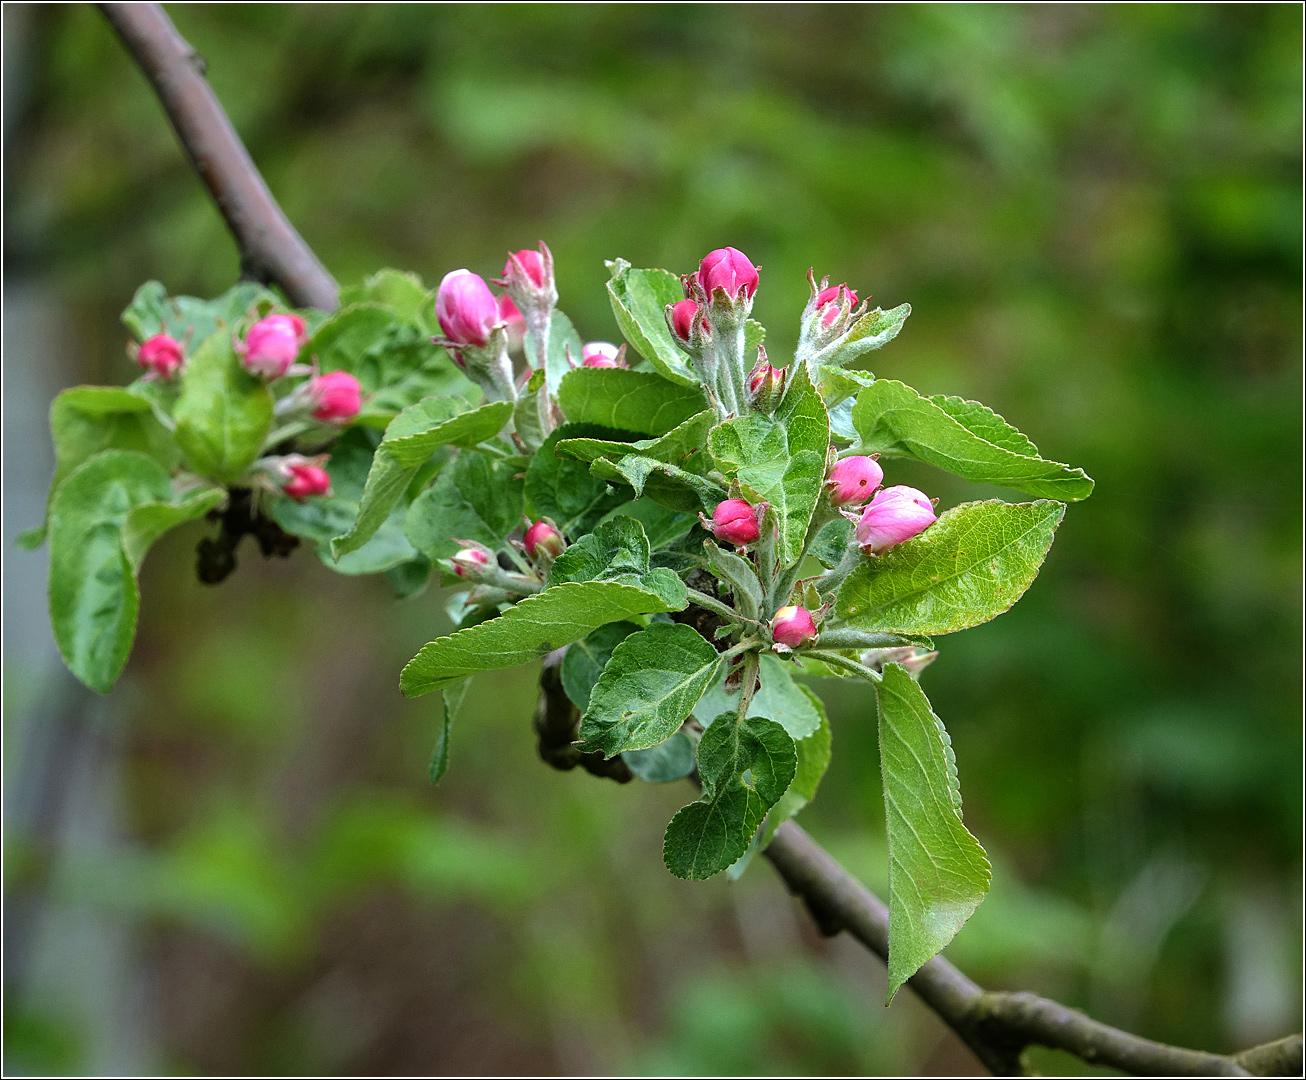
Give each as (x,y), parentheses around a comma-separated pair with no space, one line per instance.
(629,400)
(613,550)
(475,498)
(831,542)
(663,483)
(223,413)
(410,578)
(675,447)
(661,764)
(662,525)
(639,301)
(451,700)
(565,490)
(586,659)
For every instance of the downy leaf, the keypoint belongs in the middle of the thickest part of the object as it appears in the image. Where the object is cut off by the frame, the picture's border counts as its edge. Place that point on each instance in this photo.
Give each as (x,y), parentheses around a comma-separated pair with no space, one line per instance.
(613,551)
(639,301)
(223,413)
(586,659)
(938,873)
(636,401)
(533,413)
(474,498)
(954,435)
(739,575)
(968,567)
(535,627)
(565,490)
(562,337)
(872,331)
(189,319)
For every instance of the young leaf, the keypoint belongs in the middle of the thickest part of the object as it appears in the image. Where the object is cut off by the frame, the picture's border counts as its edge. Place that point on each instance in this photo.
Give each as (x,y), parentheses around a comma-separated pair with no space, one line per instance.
(739,574)
(402,293)
(677,445)
(223,413)
(562,338)
(652,682)
(586,659)
(639,301)
(636,401)
(475,498)
(343,338)
(968,567)
(451,700)
(894,420)
(146,523)
(533,411)
(535,627)
(661,764)
(938,873)
(666,484)
(779,698)
(189,319)
(612,551)
(873,330)
(565,490)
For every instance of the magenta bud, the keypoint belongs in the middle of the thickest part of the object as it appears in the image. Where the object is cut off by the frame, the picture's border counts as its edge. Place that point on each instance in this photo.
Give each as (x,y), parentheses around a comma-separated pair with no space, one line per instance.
(853,481)
(466,308)
(160,355)
(471,562)
(272,344)
(682,318)
(729,269)
(894,515)
(766,384)
(735,522)
(306,480)
(543,541)
(828,302)
(532,264)
(335,396)
(793,626)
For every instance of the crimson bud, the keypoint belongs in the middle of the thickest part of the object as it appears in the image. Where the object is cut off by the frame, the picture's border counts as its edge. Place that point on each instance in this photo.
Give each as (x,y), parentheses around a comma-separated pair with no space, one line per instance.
(160,355)
(735,522)
(543,540)
(729,269)
(335,396)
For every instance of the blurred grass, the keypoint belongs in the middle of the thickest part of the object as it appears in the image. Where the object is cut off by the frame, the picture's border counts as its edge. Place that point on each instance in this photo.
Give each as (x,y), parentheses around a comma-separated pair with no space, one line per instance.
(1096,215)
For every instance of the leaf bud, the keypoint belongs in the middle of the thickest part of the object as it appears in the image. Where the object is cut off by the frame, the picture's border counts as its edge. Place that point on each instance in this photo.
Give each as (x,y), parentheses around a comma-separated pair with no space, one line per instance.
(335,396)
(792,627)
(853,480)
(543,542)
(737,521)
(894,515)
(271,345)
(161,356)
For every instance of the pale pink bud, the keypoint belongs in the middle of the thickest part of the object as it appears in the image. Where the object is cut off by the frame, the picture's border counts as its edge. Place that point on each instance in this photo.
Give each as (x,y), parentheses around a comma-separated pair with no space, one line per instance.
(682,318)
(514,320)
(542,539)
(306,480)
(600,354)
(466,308)
(827,302)
(735,522)
(470,562)
(853,480)
(793,626)
(272,344)
(335,396)
(532,263)
(728,268)
(160,355)
(894,515)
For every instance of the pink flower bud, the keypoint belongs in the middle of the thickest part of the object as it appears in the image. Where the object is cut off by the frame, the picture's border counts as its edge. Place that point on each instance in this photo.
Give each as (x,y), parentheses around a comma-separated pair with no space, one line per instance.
(894,515)
(728,268)
(853,481)
(466,308)
(532,262)
(766,384)
(469,562)
(735,522)
(543,540)
(514,320)
(827,302)
(272,344)
(160,355)
(793,626)
(306,480)
(682,318)
(335,396)
(601,354)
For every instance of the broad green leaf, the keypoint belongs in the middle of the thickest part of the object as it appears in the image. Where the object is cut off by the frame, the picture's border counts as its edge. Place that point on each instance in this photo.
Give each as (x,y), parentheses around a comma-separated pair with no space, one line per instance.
(562,338)
(343,339)
(532,417)
(639,302)
(415,371)
(613,550)
(780,460)
(190,320)
(475,498)
(412,437)
(403,293)
(535,627)
(146,523)
(873,330)
(652,682)
(662,525)
(677,445)
(586,659)
(968,567)
(894,420)
(565,490)
(832,542)
(94,598)
(661,764)
(663,483)
(223,413)
(779,698)
(739,575)
(451,701)
(938,873)
(708,835)
(636,401)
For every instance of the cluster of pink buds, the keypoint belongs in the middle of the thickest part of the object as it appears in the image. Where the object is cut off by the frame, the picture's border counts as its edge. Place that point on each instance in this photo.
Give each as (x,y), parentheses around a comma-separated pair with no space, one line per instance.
(603,354)
(161,356)
(271,345)
(543,542)
(894,515)
(736,521)
(725,280)
(793,627)
(303,477)
(853,480)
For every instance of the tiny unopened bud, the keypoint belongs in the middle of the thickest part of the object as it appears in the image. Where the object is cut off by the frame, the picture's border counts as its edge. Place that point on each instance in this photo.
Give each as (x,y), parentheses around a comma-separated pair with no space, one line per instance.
(305,480)
(543,541)
(736,522)
(602,354)
(913,659)
(894,515)
(161,356)
(793,626)
(472,561)
(271,345)
(466,308)
(532,265)
(729,269)
(335,396)
(766,384)
(853,480)
(683,313)
(829,302)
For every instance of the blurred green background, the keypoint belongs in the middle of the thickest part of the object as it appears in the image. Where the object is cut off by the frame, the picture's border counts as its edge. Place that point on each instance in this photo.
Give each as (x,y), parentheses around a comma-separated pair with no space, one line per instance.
(235,865)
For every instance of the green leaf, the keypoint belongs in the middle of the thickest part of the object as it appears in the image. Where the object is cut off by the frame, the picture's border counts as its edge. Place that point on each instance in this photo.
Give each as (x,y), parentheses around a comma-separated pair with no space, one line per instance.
(451,700)
(533,412)
(565,490)
(663,483)
(780,460)
(938,873)
(410,578)
(832,542)
(411,438)
(894,420)
(94,598)
(662,525)
(189,319)
(345,337)
(661,764)
(652,682)
(402,293)
(562,337)
(636,401)
(779,698)
(146,523)
(586,659)
(708,835)
(676,446)
(739,575)
(613,550)
(873,330)
(475,498)
(223,413)
(968,567)
(415,370)
(535,627)
(639,302)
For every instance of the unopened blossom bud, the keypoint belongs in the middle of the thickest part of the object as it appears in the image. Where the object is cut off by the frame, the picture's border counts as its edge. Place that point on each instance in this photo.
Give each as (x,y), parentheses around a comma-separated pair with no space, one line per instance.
(913,659)
(335,396)
(543,541)
(532,264)
(829,301)
(853,480)
(305,480)
(729,269)
(160,355)
(736,522)
(466,308)
(682,318)
(514,321)
(601,354)
(894,515)
(271,345)
(766,384)
(793,626)
(472,561)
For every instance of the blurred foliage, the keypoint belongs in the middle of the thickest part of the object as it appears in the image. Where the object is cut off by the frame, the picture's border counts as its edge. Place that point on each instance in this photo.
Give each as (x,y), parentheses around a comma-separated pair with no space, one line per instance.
(1095,212)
